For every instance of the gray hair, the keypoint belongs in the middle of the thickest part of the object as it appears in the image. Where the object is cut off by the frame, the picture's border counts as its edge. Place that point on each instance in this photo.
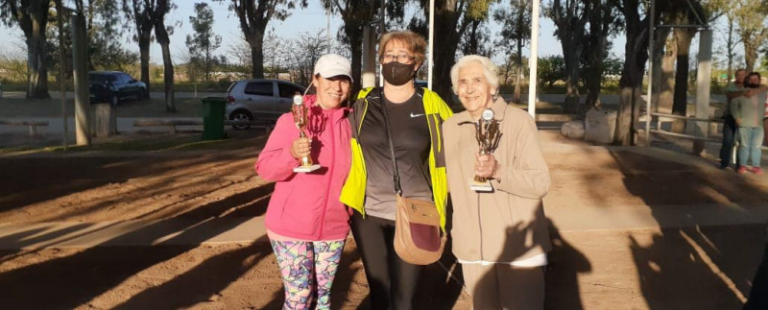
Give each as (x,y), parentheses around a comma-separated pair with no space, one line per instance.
(490,70)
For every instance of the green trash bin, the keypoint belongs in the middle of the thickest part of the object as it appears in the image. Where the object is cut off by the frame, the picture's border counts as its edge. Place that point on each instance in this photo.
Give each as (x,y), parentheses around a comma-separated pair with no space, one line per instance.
(213,118)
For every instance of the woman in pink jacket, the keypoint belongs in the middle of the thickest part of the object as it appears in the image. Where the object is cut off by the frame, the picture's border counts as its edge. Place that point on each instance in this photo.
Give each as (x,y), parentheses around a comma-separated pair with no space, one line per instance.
(306,223)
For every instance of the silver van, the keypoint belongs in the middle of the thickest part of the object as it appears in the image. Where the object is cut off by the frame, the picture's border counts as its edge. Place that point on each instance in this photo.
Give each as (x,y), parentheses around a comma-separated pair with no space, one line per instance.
(259,99)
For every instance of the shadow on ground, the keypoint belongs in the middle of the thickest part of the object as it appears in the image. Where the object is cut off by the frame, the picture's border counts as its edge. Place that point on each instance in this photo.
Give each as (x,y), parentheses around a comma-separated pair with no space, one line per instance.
(72,281)
(693,265)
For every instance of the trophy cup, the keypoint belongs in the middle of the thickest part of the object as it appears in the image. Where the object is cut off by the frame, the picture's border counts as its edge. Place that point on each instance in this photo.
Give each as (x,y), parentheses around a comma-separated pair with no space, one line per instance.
(300,118)
(488,137)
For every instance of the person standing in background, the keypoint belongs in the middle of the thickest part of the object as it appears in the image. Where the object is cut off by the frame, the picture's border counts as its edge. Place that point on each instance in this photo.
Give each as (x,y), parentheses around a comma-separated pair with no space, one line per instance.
(748,114)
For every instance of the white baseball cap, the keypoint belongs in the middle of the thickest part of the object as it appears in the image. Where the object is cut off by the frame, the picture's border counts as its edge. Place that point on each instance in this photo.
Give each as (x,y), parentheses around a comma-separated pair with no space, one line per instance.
(331,65)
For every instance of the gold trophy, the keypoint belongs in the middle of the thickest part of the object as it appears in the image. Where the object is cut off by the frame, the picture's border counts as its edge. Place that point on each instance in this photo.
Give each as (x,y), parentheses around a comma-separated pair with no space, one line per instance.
(488,137)
(300,118)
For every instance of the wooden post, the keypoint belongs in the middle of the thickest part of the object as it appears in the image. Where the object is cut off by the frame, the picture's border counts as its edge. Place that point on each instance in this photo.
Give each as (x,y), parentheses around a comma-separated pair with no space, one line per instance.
(105,122)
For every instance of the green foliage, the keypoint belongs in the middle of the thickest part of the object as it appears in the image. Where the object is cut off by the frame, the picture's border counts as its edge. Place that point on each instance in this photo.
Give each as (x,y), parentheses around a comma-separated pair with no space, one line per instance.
(476,39)
(203,43)
(551,69)
(750,16)
(515,22)
(613,65)
(105,50)
(478,9)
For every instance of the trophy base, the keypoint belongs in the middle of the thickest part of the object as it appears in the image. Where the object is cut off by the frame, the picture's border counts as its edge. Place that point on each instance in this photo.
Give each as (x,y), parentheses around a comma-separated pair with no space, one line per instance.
(306,169)
(481,186)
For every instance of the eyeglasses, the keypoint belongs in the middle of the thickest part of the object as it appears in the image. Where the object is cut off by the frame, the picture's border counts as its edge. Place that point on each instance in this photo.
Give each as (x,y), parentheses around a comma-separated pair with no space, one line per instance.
(401,58)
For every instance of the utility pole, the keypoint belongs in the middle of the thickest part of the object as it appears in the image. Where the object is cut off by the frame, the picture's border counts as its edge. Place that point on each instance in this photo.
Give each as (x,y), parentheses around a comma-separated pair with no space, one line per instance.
(80,68)
(431,51)
(534,60)
(703,81)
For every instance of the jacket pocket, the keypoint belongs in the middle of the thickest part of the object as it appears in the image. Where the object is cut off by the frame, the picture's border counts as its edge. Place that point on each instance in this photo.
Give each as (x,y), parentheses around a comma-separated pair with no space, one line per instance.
(303,212)
(283,201)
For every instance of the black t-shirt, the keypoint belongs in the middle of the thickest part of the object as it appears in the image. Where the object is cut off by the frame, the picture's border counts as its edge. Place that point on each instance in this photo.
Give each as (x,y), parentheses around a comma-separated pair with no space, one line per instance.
(412,143)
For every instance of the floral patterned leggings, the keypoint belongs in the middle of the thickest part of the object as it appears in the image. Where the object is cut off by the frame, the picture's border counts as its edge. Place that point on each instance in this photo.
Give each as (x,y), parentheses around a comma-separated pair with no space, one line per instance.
(302,262)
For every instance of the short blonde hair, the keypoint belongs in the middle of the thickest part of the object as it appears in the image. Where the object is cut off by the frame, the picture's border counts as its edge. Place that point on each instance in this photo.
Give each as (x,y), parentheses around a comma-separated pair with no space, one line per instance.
(413,41)
(490,71)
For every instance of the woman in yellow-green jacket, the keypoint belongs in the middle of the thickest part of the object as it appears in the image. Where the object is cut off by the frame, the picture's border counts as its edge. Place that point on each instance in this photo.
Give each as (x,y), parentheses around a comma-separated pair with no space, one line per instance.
(415,115)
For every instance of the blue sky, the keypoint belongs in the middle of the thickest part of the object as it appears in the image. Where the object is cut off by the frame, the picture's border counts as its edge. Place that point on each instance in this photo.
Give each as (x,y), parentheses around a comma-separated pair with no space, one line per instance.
(311,18)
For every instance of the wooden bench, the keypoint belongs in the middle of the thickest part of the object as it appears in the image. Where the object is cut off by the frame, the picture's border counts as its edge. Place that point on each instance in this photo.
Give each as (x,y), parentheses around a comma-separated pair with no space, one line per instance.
(172,124)
(32,125)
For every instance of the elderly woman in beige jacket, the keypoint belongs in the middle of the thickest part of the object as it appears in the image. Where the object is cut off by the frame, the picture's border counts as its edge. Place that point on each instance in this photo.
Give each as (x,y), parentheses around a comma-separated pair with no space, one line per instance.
(500,237)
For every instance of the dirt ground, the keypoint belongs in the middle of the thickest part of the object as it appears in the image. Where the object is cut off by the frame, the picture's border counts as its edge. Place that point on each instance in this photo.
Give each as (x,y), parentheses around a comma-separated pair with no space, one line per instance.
(197,186)
(588,269)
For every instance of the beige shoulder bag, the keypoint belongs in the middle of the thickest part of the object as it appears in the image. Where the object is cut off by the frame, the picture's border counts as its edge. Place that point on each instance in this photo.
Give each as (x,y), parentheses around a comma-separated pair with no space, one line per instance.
(418,239)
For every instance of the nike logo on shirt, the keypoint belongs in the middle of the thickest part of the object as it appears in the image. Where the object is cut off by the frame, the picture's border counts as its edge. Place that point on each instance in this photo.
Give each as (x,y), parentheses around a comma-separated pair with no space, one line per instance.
(416,115)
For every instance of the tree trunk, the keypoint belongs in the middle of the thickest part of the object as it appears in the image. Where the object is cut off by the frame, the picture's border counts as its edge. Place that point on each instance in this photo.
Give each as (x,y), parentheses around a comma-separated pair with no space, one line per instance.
(519,75)
(750,55)
(730,46)
(570,20)
(256,41)
(446,20)
(354,32)
(627,116)
(90,31)
(516,97)
(636,54)
(593,86)
(658,56)
(144,56)
(667,80)
(593,76)
(572,81)
(473,44)
(680,104)
(168,72)
(600,23)
(62,74)
(356,46)
(36,58)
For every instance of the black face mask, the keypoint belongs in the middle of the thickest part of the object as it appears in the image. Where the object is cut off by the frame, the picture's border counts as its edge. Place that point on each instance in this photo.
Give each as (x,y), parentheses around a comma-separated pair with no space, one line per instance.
(396,73)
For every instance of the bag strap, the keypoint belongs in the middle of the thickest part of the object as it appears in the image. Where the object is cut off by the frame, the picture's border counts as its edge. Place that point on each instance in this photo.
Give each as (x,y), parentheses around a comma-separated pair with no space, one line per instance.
(396,175)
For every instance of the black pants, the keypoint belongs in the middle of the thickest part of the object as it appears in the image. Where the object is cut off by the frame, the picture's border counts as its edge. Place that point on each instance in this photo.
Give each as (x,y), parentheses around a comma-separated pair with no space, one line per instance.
(392,281)
(729,138)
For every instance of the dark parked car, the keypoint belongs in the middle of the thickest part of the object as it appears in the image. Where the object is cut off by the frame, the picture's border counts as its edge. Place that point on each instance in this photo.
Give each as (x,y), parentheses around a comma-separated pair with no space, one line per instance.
(114,86)
(421,83)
